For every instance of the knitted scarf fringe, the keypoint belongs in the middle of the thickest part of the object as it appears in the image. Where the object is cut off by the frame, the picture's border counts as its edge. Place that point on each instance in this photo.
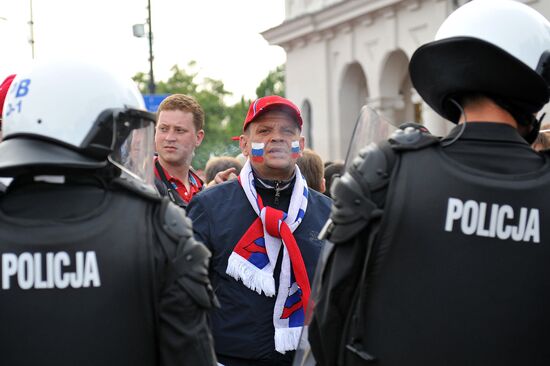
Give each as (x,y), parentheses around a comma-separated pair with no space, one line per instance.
(240,268)
(287,339)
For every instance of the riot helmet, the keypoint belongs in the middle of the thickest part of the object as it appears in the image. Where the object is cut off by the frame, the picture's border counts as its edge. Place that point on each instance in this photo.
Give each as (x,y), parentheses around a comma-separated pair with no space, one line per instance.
(70,114)
(496,48)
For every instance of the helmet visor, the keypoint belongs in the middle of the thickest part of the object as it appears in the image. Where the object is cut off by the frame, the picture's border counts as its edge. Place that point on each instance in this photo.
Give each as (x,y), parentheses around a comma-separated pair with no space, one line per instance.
(134,148)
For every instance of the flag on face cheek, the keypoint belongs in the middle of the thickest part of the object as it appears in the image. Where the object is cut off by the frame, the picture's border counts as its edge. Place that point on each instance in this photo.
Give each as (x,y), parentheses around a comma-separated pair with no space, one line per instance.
(258,152)
(295,149)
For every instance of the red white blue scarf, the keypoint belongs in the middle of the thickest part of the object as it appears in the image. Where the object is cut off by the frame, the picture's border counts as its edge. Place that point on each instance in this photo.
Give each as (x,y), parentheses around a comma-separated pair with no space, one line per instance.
(255,255)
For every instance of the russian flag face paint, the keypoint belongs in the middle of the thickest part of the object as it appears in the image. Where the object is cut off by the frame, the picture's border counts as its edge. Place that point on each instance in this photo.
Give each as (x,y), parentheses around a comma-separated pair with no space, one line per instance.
(257,152)
(295,146)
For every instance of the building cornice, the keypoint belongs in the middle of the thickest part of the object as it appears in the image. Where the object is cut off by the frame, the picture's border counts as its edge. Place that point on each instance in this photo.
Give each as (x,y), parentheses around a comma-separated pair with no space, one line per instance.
(327,21)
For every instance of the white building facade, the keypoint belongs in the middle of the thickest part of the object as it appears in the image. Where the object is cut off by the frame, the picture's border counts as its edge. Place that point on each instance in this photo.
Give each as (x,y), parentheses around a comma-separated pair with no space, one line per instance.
(343,54)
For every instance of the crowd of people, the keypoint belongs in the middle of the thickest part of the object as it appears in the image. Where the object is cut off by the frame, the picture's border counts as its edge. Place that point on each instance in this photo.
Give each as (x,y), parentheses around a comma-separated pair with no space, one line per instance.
(426,250)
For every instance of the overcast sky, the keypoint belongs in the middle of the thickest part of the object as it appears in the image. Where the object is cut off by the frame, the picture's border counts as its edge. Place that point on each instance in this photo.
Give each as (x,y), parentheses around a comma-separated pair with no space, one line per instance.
(221,35)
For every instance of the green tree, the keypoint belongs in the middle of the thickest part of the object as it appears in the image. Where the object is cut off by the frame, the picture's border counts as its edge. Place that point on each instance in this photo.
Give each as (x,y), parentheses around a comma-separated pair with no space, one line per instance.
(181,81)
(273,84)
(141,80)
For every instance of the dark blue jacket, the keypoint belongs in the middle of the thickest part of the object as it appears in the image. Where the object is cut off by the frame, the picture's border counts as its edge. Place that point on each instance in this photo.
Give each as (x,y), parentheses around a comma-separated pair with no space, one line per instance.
(243,327)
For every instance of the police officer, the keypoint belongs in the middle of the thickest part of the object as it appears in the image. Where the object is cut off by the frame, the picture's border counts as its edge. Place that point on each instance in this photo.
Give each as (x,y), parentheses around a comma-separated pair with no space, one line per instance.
(96,268)
(452,249)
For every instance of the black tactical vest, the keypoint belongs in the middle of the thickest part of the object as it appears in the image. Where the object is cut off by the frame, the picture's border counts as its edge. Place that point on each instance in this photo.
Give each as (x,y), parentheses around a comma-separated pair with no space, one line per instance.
(460,274)
(87,285)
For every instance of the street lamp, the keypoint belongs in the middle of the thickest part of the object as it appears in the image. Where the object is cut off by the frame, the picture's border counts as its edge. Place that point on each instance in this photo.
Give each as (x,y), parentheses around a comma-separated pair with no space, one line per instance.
(139,31)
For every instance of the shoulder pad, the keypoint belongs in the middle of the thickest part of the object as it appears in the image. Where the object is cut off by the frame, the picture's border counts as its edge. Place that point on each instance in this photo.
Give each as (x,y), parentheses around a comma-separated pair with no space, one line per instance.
(354,205)
(137,187)
(412,138)
(191,267)
(373,165)
(174,220)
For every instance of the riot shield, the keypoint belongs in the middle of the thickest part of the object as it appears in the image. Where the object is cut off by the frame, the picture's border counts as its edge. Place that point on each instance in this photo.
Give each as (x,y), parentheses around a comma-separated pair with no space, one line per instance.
(370,128)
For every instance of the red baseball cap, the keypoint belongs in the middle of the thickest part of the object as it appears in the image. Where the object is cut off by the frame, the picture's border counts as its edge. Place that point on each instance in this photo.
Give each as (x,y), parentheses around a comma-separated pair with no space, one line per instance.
(4,91)
(264,104)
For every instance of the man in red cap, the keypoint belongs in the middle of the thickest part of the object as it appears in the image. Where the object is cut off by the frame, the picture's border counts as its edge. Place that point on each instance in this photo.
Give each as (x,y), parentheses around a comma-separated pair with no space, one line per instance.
(262,230)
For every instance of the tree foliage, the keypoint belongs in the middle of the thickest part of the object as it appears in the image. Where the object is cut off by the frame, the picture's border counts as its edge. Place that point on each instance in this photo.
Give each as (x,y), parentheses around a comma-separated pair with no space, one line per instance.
(222,121)
(273,84)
